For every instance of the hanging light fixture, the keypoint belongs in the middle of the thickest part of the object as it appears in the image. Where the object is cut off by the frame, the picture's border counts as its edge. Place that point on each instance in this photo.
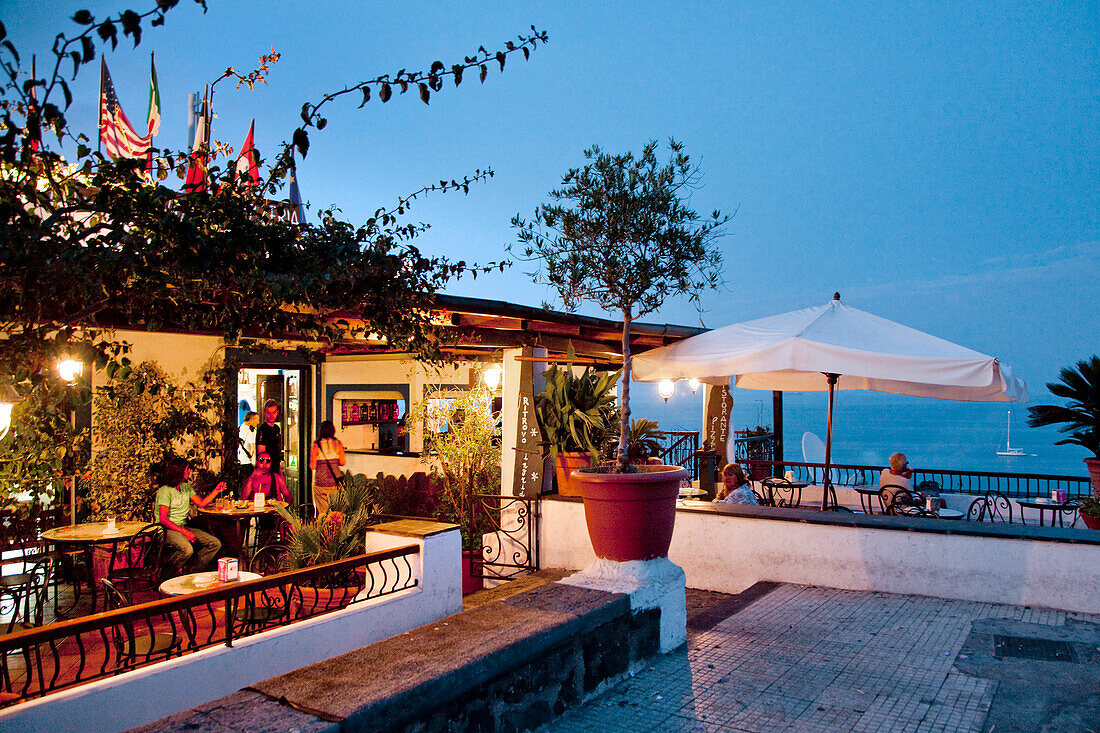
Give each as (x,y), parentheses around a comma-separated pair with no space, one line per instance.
(666,388)
(694,384)
(70,369)
(492,377)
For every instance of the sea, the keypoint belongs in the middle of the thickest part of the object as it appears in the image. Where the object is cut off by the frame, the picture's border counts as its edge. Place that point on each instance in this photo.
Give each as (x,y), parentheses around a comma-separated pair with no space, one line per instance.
(869,426)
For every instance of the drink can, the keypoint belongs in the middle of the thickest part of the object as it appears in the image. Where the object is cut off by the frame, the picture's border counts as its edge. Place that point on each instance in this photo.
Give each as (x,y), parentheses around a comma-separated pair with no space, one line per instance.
(930,504)
(1061,498)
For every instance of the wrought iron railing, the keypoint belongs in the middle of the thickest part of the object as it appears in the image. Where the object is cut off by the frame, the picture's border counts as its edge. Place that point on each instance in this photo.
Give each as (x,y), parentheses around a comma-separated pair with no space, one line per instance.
(510,530)
(47,659)
(1016,485)
(680,450)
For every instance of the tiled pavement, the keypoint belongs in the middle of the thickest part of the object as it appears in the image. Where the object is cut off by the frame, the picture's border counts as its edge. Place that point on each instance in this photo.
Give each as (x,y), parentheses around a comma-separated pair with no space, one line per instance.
(820,659)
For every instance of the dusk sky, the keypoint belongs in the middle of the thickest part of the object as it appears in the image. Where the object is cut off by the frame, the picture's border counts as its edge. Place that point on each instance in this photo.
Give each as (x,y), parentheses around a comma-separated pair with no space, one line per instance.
(936,165)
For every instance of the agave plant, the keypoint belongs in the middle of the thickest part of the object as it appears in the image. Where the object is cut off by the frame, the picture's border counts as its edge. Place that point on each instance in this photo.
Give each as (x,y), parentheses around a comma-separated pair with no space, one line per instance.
(1081,417)
(577,412)
(337,534)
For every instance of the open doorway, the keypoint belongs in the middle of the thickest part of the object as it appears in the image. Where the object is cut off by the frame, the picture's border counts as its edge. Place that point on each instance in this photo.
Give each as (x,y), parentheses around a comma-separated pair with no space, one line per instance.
(285,387)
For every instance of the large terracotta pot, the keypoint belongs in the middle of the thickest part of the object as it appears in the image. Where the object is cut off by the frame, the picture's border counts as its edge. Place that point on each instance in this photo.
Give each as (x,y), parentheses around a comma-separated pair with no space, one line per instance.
(630,515)
(564,467)
(1093,465)
(1091,522)
(472,574)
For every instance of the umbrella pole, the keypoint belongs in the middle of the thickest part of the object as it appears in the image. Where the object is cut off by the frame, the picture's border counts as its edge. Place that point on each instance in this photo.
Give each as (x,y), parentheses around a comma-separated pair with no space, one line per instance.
(828,443)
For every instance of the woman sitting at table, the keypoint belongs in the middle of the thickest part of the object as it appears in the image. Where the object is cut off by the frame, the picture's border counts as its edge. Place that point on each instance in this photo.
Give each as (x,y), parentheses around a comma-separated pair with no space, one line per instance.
(263,481)
(174,500)
(898,476)
(735,489)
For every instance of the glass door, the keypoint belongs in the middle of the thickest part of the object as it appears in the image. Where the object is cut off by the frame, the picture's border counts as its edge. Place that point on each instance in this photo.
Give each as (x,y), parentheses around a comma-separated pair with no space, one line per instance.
(259,388)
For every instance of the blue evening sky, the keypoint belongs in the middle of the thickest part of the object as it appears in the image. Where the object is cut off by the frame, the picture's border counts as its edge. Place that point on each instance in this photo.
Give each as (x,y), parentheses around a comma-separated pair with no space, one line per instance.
(935,164)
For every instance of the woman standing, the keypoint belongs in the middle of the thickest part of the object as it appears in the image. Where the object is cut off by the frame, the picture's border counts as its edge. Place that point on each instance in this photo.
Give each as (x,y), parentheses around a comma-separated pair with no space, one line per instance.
(326,459)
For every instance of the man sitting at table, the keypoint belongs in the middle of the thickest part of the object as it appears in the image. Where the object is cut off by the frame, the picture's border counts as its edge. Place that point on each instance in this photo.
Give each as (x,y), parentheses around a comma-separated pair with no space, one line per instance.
(897,476)
(174,500)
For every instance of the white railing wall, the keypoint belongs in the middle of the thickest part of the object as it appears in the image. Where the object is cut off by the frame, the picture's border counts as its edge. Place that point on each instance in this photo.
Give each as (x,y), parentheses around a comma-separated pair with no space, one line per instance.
(728,553)
(153,692)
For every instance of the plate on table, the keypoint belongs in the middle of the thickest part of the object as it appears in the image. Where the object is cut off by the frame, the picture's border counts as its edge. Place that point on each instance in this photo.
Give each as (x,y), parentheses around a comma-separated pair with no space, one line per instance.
(204,580)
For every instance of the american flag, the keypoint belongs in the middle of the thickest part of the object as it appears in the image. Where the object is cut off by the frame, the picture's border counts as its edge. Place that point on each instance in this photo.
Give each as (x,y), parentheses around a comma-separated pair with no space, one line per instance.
(115,131)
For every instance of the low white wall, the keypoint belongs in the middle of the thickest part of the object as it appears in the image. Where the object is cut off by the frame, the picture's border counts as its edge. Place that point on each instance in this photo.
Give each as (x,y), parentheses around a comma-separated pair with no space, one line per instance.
(153,692)
(729,553)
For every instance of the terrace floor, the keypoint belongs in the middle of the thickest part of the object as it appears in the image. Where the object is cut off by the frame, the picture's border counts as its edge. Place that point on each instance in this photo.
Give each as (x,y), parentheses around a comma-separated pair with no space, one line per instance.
(787,657)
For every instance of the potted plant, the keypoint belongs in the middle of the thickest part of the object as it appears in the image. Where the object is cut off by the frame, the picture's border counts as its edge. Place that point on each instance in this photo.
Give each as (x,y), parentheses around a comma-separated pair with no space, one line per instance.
(468,455)
(1090,511)
(619,234)
(576,414)
(645,441)
(1081,417)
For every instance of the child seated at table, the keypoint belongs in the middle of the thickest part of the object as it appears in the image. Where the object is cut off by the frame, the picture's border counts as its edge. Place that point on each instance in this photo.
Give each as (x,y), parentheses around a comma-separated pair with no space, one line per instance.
(735,489)
(184,543)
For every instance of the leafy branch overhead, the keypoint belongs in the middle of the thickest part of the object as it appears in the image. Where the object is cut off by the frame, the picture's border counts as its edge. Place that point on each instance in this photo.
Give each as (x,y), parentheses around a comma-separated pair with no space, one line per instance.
(88,244)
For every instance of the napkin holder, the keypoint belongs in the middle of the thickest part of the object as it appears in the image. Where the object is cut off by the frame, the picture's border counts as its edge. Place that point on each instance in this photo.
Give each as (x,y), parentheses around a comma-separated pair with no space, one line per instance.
(228,568)
(258,501)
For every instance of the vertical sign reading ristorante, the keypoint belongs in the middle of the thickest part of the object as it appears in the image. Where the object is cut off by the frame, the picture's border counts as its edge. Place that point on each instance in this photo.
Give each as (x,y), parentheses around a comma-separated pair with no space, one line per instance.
(717,421)
(527,480)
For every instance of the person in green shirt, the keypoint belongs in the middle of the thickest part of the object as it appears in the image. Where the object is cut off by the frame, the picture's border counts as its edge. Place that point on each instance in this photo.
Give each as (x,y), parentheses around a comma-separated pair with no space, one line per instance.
(174,500)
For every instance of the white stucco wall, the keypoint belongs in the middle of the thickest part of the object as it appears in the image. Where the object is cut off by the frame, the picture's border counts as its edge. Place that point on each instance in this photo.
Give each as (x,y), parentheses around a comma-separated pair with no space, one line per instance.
(148,694)
(730,553)
(183,356)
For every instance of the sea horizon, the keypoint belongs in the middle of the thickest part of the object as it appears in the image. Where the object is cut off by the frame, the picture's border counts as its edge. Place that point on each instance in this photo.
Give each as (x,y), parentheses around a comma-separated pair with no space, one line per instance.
(869,426)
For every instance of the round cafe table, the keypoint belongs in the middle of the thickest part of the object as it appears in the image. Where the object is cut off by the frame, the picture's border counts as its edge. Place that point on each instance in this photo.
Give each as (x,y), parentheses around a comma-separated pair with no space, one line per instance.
(181,585)
(238,513)
(1044,505)
(90,534)
(949,514)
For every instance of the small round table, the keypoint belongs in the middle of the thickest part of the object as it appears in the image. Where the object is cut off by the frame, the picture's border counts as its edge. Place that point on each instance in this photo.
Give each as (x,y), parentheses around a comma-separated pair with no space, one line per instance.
(868,497)
(181,585)
(949,513)
(90,534)
(1056,509)
(239,512)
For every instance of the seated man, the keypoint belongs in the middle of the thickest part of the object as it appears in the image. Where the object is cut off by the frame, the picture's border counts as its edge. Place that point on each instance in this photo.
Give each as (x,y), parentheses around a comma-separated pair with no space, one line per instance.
(174,500)
(897,475)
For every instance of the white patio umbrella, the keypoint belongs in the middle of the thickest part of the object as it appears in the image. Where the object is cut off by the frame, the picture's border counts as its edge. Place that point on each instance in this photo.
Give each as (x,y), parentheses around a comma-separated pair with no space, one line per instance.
(813,348)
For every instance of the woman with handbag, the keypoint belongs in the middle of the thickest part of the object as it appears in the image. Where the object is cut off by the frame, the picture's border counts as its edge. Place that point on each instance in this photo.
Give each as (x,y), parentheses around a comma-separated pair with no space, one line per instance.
(326,459)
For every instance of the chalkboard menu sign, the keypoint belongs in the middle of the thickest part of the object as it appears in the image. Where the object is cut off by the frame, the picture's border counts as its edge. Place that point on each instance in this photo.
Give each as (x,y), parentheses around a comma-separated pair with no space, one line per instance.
(527,479)
(369,412)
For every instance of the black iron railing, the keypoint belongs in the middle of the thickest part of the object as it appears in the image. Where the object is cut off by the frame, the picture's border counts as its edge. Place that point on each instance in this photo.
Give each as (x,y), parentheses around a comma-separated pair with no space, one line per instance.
(1016,485)
(510,528)
(678,449)
(47,659)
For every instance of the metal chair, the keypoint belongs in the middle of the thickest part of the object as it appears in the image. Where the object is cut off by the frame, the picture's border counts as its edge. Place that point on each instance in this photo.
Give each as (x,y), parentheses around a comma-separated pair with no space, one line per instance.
(997,507)
(1072,507)
(908,510)
(129,645)
(144,553)
(891,495)
(263,609)
(782,493)
(24,604)
(976,511)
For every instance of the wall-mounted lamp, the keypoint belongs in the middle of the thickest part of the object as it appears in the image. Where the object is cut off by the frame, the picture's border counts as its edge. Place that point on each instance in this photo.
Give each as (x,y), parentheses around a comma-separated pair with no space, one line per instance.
(492,377)
(666,388)
(8,399)
(694,384)
(70,369)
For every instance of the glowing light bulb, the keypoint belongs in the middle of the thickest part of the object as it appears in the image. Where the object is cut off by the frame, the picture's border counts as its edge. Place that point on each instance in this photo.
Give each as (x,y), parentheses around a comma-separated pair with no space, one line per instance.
(666,388)
(694,384)
(70,369)
(492,377)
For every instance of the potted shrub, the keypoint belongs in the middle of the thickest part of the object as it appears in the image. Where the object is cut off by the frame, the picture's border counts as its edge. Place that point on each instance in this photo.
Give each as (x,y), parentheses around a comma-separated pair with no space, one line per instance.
(645,442)
(619,234)
(468,455)
(1090,511)
(576,414)
(1080,418)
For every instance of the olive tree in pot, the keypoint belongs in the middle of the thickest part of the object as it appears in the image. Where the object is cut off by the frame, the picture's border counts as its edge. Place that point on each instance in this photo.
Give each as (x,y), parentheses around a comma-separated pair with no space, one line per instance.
(619,233)
(576,413)
(1080,418)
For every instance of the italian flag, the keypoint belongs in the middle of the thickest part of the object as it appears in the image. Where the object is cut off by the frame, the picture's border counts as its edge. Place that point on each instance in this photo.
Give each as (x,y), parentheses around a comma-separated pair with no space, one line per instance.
(154,99)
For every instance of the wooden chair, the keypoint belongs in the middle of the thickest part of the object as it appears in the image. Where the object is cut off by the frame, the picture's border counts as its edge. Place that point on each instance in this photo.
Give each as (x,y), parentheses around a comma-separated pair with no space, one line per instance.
(130,645)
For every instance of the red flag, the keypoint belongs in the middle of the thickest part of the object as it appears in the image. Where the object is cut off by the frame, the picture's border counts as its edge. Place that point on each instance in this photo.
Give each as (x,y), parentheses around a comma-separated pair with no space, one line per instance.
(115,131)
(248,167)
(196,169)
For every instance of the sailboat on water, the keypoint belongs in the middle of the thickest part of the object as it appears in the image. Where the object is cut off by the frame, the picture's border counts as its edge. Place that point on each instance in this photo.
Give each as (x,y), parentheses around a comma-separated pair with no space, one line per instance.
(1009,450)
